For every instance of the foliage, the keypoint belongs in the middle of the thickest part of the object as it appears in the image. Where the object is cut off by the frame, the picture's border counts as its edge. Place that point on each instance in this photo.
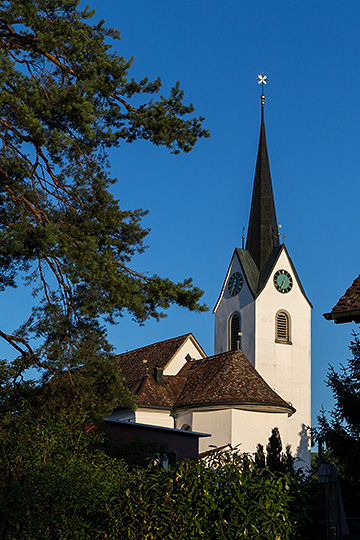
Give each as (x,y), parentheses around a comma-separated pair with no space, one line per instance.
(138,452)
(53,478)
(341,431)
(89,495)
(275,459)
(67,98)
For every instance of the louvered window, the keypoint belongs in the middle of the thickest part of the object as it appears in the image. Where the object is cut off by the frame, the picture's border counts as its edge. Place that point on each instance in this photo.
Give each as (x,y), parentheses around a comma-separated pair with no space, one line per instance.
(234,332)
(282,327)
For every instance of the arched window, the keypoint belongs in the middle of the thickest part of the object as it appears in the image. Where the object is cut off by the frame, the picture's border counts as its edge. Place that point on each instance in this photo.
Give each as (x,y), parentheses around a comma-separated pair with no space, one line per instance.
(234,332)
(283,327)
(186,427)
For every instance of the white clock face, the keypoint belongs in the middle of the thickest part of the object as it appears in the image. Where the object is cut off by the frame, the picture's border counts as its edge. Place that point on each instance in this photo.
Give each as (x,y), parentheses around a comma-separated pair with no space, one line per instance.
(283,281)
(235,283)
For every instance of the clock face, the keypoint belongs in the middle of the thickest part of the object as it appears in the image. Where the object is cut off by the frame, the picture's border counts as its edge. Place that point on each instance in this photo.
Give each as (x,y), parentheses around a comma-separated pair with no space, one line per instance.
(235,283)
(283,281)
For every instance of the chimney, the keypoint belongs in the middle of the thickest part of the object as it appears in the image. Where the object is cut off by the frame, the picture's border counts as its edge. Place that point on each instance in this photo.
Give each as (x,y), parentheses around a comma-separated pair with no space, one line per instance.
(159,375)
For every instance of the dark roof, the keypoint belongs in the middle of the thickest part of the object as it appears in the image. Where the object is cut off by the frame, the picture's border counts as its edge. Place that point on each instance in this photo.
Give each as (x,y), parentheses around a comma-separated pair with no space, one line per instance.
(138,425)
(152,394)
(262,236)
(136,364)
(257,280)
(348,307)
(251,271)
(227,379)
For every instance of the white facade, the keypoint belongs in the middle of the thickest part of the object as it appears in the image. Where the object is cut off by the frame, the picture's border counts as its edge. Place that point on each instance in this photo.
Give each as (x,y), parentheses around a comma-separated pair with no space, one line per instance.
(144,415)
(244,305)
(233,427)
(285,366)
(190,349)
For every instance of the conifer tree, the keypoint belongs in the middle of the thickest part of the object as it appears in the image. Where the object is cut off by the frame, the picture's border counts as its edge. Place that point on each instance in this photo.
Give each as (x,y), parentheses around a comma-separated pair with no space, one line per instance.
(66,98)
(340,431)
(275,458)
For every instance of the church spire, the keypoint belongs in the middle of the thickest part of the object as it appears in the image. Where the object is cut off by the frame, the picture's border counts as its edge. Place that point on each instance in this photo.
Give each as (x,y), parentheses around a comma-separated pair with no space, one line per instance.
(262,236)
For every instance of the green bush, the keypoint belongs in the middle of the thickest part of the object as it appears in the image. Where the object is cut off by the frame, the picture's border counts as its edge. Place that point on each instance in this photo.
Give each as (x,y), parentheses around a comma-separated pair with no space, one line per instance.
(225,497)
(78,492)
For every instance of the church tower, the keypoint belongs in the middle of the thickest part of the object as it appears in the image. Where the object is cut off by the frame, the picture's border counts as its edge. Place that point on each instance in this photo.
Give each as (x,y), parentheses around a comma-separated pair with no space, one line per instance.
(264,311)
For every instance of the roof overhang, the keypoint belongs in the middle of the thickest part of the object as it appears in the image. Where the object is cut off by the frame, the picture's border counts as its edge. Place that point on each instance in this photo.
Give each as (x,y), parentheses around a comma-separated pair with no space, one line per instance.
(341,317)
(136,425)
(253,407)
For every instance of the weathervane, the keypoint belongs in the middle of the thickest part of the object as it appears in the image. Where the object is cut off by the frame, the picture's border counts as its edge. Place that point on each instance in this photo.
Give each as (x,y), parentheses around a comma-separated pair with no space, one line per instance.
(262,79)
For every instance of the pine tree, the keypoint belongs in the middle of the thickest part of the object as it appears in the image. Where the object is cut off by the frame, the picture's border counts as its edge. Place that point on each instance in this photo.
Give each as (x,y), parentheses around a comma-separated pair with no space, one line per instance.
(340,431)
(275,458)
(66,98)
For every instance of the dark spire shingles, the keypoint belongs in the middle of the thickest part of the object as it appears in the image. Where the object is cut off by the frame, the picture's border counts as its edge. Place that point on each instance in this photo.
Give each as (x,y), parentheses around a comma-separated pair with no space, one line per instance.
(262,236)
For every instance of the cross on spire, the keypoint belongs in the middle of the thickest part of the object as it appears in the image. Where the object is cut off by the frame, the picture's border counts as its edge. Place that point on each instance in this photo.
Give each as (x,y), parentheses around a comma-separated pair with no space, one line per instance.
(262,79)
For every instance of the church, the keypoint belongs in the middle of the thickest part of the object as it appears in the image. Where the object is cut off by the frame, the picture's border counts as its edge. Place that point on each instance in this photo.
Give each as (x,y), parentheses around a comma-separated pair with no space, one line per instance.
(260,375)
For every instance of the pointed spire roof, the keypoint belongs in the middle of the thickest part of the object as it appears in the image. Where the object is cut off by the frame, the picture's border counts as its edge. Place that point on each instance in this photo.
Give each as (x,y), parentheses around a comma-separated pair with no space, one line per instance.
(262,236)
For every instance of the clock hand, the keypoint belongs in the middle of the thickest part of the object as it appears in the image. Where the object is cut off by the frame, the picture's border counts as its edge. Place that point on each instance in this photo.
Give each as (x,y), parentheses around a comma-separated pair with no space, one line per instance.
(282,283)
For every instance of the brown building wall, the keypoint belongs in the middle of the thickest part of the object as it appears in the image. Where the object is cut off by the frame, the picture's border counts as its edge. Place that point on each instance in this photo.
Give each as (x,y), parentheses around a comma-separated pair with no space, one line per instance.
(185,444)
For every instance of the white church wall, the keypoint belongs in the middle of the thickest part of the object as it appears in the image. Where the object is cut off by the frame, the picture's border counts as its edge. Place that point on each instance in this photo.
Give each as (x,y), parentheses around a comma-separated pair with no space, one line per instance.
(215,422)
(249,428)
(179,360)
(184,419)
(154,417)
(287,367)
(243,304)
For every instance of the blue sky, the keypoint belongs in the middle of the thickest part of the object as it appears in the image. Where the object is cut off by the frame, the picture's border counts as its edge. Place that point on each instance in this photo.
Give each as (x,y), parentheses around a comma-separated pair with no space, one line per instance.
(199,202)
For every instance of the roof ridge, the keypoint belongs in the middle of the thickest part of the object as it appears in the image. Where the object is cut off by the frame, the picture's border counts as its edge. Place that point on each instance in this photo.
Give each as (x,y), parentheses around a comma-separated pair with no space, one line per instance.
(151,345)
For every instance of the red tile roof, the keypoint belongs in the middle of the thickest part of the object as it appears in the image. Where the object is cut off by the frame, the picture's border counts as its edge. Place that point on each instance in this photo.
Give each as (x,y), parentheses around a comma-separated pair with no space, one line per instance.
(153,394)
(158,354)
(222,380)
(348,307)
(226,379)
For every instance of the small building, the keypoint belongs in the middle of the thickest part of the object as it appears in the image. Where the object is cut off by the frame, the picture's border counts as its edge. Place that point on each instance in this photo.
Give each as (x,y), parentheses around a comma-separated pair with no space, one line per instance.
(180,445)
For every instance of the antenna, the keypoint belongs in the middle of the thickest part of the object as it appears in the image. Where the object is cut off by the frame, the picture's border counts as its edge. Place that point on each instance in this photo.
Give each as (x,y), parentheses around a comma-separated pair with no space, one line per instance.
(243,238)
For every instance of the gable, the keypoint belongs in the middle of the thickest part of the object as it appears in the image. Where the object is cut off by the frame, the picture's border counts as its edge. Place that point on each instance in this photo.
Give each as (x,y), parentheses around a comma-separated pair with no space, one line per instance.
(279,258)
(137,364)
(150,372)
(188,350)
(243,262)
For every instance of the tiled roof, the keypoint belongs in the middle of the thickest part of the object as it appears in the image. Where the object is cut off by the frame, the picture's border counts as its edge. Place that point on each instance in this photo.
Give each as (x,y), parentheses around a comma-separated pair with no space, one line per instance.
(348,307)
(153,394)
(156,355)
(226,379)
